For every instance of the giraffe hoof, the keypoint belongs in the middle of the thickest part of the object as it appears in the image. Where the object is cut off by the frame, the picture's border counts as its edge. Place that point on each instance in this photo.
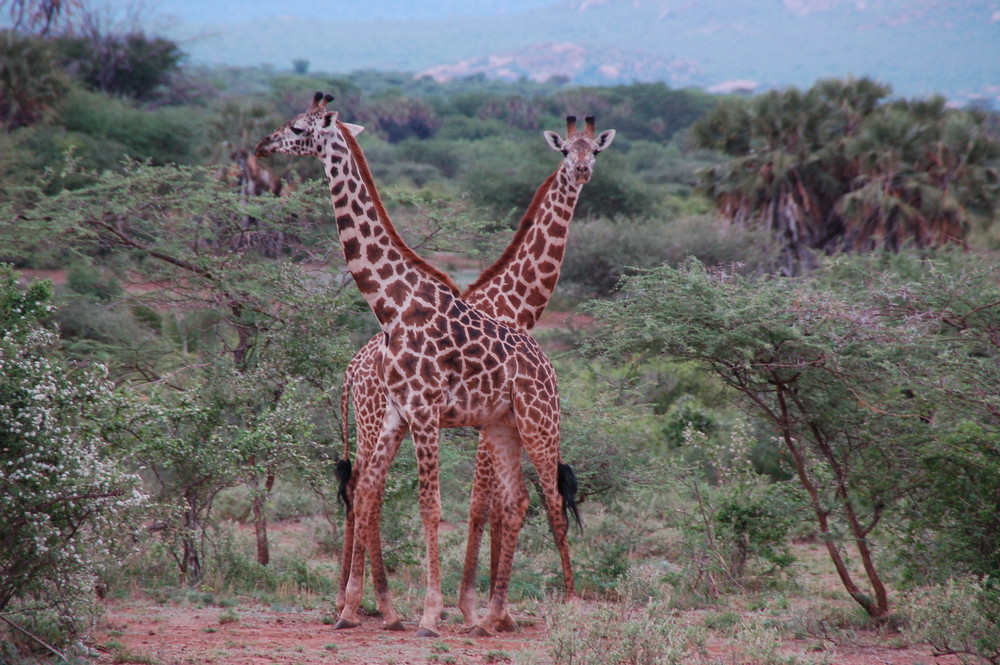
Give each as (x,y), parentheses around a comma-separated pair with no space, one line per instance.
(343,623)
(507,625)
(477,631)
(395,625)
(427,632)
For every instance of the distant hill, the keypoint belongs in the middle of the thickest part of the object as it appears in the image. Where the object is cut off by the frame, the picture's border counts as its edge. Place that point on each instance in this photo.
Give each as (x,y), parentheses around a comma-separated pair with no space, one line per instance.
(587,65)
(920,47)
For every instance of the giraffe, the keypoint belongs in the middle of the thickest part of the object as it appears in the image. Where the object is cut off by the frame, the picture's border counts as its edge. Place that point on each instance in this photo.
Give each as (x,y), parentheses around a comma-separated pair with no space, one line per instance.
(514,290)
(443,364)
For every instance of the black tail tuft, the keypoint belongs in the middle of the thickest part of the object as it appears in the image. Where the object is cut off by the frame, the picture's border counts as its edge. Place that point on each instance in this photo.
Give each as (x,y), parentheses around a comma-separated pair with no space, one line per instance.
(567,489)
(344,476)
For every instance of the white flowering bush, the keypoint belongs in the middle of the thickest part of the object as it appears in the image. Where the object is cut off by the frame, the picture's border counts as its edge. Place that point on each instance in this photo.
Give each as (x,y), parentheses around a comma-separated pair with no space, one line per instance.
(64,506)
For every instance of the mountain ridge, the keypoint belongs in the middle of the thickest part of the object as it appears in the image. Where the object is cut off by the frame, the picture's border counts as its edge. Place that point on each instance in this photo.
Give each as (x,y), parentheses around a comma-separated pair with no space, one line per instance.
(920,47)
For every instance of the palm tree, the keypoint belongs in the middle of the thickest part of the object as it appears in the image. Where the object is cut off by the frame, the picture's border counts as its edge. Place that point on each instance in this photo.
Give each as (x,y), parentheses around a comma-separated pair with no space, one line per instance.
(922,172)
(788,166)
(836,168)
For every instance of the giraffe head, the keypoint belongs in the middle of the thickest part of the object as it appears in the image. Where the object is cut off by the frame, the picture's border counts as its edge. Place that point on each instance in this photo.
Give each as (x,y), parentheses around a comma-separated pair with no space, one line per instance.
(579,149)
(307,133)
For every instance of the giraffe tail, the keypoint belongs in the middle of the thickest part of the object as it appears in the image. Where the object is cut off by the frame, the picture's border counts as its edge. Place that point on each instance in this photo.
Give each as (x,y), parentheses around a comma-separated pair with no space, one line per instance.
(567,485)
(344,476)
(344,463)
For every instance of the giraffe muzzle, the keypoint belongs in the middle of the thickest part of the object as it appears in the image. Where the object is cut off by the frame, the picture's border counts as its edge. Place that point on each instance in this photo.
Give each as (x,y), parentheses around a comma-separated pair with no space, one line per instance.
(263,149)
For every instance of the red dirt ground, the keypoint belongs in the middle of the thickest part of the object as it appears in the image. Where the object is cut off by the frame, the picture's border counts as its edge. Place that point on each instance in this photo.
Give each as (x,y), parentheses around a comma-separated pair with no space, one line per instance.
(176,635)
(147,632)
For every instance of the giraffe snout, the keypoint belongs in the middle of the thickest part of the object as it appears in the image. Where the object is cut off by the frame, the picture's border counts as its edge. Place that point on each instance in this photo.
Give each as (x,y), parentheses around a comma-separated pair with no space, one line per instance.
(582,174)
(263,148)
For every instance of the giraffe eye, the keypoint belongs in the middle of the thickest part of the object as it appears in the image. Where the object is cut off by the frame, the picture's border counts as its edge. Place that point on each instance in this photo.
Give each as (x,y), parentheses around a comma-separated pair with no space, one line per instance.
(296,130)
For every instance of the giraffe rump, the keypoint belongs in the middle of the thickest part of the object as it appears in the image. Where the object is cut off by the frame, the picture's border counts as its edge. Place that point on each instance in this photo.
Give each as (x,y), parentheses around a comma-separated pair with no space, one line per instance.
(568,486)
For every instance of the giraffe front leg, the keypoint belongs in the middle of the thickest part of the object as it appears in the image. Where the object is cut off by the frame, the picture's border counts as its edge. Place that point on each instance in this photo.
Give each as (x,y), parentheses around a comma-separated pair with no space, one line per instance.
(424,430)
(507,623)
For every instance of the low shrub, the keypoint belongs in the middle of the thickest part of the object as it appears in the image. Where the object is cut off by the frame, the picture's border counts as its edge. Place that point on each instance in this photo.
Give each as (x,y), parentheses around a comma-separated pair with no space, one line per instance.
(613,635)
(960,617)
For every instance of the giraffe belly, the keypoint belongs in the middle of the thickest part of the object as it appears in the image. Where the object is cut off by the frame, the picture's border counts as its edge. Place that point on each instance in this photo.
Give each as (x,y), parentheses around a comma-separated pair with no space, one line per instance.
(474,412)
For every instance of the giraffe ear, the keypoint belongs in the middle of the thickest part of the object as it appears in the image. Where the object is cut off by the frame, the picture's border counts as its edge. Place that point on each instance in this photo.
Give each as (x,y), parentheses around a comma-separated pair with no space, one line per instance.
(554,140)
(329,121)
(605,138)
(354,130)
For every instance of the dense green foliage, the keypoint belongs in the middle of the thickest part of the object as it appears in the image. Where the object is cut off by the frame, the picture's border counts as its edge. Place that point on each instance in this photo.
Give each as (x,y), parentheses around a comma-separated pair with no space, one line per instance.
(131,65)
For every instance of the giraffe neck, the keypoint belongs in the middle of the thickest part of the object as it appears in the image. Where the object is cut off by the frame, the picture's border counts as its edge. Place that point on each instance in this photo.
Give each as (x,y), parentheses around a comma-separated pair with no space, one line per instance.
(516,289)
(387,271)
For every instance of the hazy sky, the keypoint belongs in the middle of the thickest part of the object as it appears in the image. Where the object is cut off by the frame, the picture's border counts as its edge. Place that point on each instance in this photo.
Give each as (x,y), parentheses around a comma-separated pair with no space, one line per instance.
(211,11)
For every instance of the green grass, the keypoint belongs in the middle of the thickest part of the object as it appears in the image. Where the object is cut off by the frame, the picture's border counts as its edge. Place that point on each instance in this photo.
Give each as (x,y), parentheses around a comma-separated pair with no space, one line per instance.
(123,654)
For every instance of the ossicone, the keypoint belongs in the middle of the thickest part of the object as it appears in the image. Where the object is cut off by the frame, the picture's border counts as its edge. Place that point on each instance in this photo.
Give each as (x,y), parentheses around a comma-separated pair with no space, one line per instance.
(320,99)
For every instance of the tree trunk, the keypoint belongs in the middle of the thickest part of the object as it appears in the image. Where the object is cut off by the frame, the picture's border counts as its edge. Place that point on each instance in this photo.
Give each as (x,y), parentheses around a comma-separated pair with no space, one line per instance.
(260,520)
(880,607)
(190,560)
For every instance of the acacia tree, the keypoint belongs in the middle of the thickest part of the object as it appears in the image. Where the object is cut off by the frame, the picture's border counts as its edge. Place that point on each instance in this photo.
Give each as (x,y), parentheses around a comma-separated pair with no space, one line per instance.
(40,17)
(242,354)
(838,168)
(957,298)
(238,394)
(814,365)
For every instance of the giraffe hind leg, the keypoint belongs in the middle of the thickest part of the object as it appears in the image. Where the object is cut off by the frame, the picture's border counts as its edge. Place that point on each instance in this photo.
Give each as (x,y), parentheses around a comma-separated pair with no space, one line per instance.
(368,495)
(383,599)
(510,505)
(347,489)
(541,442)
(479,511)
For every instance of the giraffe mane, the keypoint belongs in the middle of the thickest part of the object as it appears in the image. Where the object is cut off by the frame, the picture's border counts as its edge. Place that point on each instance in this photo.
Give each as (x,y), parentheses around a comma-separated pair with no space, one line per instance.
(407,252)
(527,221)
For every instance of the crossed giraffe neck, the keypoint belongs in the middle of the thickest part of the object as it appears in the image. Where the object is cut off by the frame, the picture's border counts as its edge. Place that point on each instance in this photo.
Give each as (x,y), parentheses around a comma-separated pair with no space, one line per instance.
(385,269)
(444,364)
(519,285)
